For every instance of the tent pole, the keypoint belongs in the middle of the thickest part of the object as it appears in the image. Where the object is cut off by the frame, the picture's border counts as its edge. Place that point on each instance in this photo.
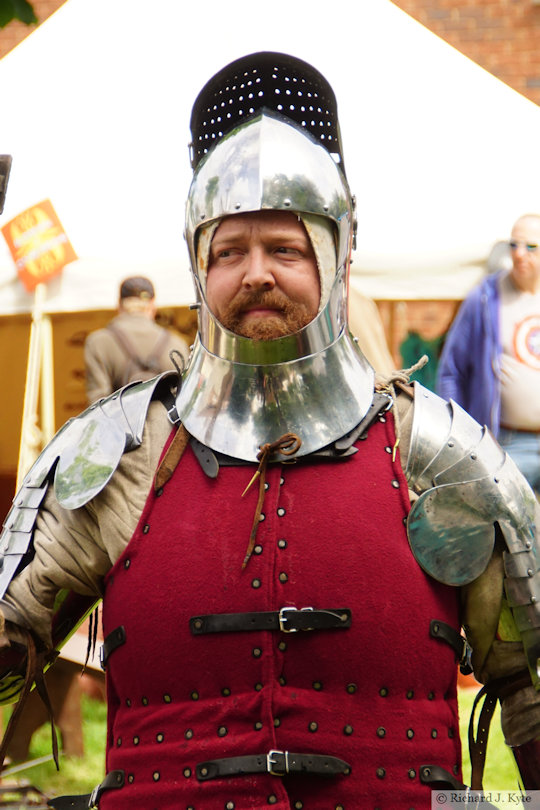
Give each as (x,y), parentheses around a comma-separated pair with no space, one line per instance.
(30,433)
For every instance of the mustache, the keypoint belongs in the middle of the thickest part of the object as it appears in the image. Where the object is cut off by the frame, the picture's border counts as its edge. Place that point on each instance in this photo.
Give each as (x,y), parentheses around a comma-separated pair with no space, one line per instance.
(267,299)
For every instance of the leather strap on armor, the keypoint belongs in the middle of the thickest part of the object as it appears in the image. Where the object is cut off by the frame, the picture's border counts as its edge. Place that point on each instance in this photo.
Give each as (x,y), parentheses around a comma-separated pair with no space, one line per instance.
(440,779)
(115,639)
(492,692)
(277,763)
(459,643)
(113,780)
(288,620)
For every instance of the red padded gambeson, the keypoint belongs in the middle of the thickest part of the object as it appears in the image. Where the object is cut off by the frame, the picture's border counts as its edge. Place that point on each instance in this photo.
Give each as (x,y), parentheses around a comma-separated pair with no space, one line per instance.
(380,695)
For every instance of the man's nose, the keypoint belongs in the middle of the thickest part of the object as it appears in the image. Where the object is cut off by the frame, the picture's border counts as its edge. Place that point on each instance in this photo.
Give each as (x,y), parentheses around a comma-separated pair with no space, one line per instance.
(258,271)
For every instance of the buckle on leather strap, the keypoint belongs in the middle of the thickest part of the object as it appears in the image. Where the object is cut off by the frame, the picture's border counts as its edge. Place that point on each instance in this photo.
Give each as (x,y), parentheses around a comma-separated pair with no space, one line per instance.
(277,767)
(283,618)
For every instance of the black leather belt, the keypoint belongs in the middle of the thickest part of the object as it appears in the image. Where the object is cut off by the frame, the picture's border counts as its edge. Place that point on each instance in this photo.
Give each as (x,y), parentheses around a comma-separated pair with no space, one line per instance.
(113,780)
(288,620)
(277,763)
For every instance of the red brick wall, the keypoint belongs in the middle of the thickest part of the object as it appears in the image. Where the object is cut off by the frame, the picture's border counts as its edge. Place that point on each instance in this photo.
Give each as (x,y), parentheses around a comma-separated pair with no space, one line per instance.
(15,31)
(503,36)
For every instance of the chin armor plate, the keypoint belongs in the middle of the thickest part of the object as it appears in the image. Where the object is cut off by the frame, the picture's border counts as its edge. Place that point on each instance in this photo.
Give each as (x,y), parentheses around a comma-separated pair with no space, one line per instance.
(467,486)
(80,459)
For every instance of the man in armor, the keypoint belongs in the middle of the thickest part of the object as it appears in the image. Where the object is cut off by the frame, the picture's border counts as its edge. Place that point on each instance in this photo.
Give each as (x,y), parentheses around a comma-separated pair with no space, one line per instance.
(287,548)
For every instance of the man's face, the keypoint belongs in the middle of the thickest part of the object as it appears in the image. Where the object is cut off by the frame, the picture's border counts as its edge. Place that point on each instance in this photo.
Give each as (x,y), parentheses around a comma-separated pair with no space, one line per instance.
(263,280)
(525,258)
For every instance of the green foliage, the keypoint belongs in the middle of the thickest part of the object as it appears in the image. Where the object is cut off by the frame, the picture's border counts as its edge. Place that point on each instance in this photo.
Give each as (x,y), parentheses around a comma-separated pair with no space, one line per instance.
(16,10)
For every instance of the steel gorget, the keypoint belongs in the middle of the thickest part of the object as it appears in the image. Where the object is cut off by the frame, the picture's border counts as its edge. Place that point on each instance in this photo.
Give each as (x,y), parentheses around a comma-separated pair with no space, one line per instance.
(237,393)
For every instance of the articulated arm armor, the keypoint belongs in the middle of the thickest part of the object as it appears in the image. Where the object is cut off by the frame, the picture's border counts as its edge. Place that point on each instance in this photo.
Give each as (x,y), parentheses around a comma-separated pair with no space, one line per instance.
(468,485)
(80,460)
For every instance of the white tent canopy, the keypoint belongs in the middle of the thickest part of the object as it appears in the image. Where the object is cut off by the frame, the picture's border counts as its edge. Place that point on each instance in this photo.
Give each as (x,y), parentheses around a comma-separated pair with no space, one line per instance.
(442,157)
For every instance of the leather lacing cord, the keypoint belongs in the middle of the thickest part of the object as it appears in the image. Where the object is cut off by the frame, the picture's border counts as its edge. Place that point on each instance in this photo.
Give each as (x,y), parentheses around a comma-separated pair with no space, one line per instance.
(287,445)
(34,674)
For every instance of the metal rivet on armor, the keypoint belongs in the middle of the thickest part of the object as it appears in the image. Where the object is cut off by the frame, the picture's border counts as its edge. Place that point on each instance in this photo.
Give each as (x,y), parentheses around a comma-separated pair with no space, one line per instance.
(160,737)
(388,449)
(136,740)
(258,725)
(282,543)
(298,805)
(282,681)
(283,577)
(194,695)
(282,646)
(131,778)
(317,685)
(395,483)
(256,652)
(222,731)
(167,698)
(431,696)
(127,563)
(339,807)
(348,730)
(281,481)
(226,691)
(144,701)
(434,733)
(383,691)
(410,733)
(411,773)
(188,734)
(258,550)
(272,799)
(451,733)
(351,688)
(281,511)
(450,444)
(258,687)
(528,544)
(156,776)
(146,528)
(277,722)
(410,694)
(229,806)
(380,773)
(255,583)
(530,572)
(381,732)
(128,702)
(313,726)
(496,480)
(119,742)
(197,624)
(266,486)
(159,492)
(455,770)
(287,203)
(382,418)
(262,517)
(533,600)
(187,772)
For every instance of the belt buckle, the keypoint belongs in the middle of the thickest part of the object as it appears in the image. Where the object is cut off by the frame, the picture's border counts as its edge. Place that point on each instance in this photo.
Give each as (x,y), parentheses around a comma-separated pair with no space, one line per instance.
(283,618)
(94,796)
(271,762)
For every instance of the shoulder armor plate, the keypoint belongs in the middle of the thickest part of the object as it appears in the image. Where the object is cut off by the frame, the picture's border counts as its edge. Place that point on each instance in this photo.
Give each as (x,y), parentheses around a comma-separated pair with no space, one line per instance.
(81,459)
(467,484)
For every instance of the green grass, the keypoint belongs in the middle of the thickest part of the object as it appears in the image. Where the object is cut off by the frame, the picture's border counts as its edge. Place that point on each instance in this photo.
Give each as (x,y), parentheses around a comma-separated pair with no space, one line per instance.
(81,775)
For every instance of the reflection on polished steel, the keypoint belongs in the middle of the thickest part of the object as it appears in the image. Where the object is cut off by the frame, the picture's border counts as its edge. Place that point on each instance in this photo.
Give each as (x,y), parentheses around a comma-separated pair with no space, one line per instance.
(469,486)
(235,407)
(238,394)
(269,163)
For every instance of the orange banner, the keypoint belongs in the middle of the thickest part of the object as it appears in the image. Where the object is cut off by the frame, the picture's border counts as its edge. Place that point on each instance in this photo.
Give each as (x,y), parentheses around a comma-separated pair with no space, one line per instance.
(38,244)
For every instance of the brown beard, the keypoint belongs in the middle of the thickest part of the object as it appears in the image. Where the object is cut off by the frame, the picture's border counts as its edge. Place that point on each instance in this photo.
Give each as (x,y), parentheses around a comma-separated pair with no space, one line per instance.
(290,317)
